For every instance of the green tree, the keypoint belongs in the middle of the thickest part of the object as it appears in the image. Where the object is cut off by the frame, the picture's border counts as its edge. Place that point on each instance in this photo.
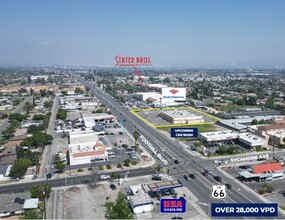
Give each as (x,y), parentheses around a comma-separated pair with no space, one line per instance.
(41,191)
(39,139)
(16,116)
(119,209)
(109,166)
(61,114)
(136,135)
(60,166)
(64,93)
(119,165)
(254,122)
(32,214)
(48,104)
(78,90)
(99,110)
(34,128)
(270,103)
(240,102)
(250,100)
(166,80)
(38,117)
(19,168)
(127,162)
(158,168)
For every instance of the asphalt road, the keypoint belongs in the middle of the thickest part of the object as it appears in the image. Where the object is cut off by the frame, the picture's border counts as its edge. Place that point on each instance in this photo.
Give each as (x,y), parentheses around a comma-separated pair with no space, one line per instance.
(202,186)
(71,180)
(19,109)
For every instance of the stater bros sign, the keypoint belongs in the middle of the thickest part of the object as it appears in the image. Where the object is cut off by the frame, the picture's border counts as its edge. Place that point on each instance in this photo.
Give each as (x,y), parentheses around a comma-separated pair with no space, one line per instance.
(174,94)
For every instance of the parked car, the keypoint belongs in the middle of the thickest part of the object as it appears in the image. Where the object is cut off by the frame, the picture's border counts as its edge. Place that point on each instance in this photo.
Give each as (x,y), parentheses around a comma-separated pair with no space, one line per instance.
(192,176)
(218,178)
(104,177)
(113,187)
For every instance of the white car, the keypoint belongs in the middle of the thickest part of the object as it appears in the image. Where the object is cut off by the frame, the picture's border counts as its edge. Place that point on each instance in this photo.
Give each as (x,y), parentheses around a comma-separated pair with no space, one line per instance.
(105,177)
(162,149)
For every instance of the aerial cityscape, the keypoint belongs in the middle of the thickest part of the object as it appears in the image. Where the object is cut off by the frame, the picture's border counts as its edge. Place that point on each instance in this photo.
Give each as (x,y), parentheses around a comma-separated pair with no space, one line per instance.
(142,110)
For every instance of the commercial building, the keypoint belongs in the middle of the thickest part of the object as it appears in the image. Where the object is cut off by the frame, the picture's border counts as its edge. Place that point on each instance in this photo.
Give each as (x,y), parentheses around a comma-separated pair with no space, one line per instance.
(263,173)
(275,133)
(182,117)
(248,140)
(91,121)
(85,147)
(139,199)
(143,96)
(244,122)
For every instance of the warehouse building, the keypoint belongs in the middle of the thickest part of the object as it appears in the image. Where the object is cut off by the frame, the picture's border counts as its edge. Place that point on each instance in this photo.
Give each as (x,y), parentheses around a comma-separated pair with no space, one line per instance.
(182,117)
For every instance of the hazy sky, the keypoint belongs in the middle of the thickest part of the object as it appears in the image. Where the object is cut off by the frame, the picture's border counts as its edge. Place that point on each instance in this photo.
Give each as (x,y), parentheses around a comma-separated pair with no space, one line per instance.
(177,32)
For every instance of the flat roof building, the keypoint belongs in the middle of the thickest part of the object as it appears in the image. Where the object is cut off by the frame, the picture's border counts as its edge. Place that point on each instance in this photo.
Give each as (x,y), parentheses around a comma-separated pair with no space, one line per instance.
(86,148)
(182,117)
(263,172)
(139,200)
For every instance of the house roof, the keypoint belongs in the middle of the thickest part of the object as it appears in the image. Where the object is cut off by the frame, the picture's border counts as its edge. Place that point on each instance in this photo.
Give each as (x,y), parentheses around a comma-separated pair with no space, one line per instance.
(263,168)
(12,202)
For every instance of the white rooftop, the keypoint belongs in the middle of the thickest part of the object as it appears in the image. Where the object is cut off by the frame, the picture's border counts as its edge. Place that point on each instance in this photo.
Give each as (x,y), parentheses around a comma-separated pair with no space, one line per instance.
(82,138)
(180,113)
(252,139)
(31,203)
(140,197)
(220,135)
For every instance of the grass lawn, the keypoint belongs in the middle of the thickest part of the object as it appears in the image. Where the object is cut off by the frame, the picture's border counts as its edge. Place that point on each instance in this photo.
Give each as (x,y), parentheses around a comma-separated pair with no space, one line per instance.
(201,129)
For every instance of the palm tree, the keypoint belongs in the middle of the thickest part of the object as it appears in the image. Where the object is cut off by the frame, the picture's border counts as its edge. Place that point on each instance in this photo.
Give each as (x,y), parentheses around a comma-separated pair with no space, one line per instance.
(136,135)
(158,168)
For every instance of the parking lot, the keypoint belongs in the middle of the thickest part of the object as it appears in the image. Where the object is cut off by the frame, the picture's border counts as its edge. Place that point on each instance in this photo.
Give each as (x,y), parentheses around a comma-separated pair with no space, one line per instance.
(152,116)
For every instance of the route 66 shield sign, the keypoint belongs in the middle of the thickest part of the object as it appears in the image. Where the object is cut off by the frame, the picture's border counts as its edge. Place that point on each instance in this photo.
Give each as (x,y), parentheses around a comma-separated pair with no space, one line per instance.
(219,191)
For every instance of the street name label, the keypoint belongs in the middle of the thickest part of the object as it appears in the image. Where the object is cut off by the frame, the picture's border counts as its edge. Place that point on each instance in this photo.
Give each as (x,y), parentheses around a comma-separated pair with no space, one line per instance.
(184,132)
(173,205)
(158,155)
(244,210)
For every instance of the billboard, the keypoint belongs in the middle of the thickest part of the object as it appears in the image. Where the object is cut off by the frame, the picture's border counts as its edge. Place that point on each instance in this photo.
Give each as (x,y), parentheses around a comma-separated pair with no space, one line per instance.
(174,94)
(184,132)
(173,205)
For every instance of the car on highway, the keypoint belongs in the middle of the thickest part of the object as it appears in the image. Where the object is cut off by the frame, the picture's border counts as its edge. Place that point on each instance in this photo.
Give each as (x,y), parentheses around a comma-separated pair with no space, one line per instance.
(162,149)
(218,178)
(113,187)
(229,186)
(157,178)
(205,173)
(186,177)
(192,175)
(104,177)
(176,162)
